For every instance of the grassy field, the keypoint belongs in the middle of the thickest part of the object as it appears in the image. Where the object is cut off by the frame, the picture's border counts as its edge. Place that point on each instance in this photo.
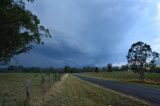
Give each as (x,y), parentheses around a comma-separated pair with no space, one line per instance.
(151,79)
(73,92)
(12,88)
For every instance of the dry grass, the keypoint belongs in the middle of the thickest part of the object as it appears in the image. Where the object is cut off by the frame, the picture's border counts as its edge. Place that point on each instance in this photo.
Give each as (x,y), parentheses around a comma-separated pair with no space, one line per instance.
(70,91)
(55,89)
(73,92)
(12,88)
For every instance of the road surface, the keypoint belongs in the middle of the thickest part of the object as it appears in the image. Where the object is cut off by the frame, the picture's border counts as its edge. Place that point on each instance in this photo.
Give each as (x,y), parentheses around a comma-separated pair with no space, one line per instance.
(151,95)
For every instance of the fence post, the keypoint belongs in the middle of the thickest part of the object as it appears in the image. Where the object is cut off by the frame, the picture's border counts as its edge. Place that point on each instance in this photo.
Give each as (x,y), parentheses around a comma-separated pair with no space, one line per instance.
(3,103)
(49,80)
(42,87)
(59,76)
(55,75)
(27,86)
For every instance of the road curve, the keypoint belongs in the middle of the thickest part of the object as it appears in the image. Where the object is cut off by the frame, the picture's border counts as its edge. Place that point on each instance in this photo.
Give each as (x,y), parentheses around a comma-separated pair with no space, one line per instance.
(151,95)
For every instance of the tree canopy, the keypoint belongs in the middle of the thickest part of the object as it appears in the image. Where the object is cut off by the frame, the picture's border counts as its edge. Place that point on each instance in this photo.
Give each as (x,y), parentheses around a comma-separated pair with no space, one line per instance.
(139,55)
(19,29)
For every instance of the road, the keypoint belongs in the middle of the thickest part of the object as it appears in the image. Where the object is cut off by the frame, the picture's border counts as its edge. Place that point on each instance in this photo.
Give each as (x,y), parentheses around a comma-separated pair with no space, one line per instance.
(151,95)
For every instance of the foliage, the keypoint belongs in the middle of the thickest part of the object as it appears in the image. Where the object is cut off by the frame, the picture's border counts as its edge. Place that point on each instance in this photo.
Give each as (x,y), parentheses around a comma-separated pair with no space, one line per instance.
(88,69)
(19,29)
(68,69)
(138,55)
(97,70)
(124,68)
(134,68)
(109,67)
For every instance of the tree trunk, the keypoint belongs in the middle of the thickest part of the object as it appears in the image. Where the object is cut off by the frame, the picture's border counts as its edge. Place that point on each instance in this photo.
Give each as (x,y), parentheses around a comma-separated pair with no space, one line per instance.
(142,75)
(141,72)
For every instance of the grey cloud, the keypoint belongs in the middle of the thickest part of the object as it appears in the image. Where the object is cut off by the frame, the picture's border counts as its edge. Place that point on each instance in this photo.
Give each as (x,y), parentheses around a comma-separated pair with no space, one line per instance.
(85,32)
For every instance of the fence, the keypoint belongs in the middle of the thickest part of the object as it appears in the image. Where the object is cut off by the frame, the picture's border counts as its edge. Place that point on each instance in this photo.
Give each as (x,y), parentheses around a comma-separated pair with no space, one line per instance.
(23,89)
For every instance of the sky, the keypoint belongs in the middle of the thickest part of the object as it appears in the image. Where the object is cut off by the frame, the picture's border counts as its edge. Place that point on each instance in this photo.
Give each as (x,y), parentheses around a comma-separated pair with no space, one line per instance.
(92,32)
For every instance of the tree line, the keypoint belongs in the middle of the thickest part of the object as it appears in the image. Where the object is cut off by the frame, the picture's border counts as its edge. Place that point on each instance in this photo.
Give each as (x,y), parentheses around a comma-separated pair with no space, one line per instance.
(69,69)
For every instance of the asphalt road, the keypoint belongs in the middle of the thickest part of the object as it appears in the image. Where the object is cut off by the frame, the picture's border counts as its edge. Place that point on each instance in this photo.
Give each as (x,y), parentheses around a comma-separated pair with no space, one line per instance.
(151,95)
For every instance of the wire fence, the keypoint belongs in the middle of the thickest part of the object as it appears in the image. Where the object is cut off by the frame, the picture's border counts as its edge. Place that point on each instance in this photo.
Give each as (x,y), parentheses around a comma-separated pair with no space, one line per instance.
(25,89)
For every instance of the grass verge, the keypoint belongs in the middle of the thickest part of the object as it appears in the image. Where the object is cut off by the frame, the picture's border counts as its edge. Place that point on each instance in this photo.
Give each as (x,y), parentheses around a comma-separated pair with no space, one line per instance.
(72,91)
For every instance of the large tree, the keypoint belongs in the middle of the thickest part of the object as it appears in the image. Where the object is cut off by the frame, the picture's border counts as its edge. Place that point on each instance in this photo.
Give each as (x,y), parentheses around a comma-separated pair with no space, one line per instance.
(19,29)
(139,55)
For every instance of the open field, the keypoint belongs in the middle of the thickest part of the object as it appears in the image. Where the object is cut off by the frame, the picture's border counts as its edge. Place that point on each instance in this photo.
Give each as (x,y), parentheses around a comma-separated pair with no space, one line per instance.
(151,79)
(73,92)
(13,89)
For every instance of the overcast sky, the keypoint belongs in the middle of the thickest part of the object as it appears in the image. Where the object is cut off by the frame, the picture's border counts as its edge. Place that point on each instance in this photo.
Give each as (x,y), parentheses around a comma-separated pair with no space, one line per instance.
(92,32)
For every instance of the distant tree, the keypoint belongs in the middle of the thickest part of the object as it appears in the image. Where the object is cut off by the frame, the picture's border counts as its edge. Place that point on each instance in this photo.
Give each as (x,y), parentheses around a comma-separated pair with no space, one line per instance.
(19,29)
(12,68)
(157,69)
(115,68)
(51,70)
(97,70)
(151,67)
(104,69)
(109,67)
(88,69)
(139,54)
(124,68)
(75,70)
(67,69)
(20,68)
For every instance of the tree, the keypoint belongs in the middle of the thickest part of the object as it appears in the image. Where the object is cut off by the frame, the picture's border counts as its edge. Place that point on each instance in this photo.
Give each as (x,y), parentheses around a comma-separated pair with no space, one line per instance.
(67,69)
(134,68)
(124,68)
(19,29)
(88,69)
(104,69)
(97,70)
(139,54)
(109,67)
(115,68)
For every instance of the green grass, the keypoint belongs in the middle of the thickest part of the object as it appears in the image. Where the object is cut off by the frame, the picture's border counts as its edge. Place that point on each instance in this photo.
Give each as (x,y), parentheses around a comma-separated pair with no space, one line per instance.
(74,92)
(12,88)
(151,79)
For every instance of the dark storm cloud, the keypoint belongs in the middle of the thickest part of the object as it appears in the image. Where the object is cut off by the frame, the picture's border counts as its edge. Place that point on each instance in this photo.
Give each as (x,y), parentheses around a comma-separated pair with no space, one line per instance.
(85,32)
